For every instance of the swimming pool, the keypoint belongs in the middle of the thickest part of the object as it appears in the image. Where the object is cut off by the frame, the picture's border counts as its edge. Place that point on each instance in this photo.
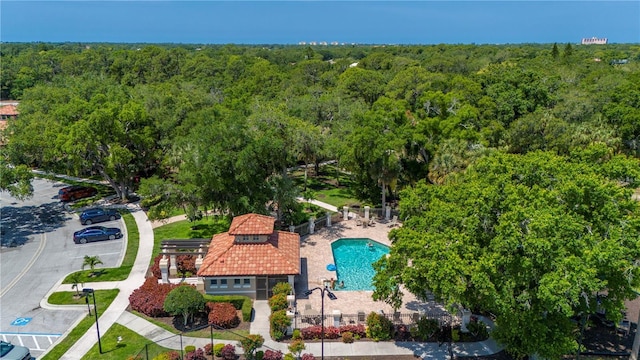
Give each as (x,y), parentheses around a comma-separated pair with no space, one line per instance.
(353,259)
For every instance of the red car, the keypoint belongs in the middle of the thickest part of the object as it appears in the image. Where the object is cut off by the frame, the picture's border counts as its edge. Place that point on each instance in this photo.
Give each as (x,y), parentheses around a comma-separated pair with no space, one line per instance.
(71,193)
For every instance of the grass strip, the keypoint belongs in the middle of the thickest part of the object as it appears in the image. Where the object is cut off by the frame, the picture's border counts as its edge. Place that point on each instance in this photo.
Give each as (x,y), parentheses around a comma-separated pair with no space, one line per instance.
(104,298)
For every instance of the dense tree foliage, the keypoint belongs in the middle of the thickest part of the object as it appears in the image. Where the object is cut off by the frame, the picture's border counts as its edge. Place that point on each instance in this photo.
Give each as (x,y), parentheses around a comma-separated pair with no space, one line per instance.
(509,160)
(535,239)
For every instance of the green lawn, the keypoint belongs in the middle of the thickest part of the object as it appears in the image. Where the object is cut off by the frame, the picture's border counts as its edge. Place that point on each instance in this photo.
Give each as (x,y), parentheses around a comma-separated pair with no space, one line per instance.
(122,272)
(103,300)
(131,345)
(325,186)
(230,334)
(205,228)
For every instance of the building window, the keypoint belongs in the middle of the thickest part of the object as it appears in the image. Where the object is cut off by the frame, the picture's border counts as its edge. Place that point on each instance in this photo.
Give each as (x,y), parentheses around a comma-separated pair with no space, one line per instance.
(236,283)
(214,284)
(247,283)
(245,238)
(223,284)
(256,238)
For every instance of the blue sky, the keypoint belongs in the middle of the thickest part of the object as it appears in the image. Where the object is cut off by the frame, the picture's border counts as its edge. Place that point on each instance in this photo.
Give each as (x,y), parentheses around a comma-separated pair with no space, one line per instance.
(290,22)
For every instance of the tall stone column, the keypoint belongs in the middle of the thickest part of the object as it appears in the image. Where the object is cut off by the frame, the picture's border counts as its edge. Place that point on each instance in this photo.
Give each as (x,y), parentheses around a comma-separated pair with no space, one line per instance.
(328,219)
(367,209)
(345,213)
(387,213)
(312,225)
(164,268)
(173,268)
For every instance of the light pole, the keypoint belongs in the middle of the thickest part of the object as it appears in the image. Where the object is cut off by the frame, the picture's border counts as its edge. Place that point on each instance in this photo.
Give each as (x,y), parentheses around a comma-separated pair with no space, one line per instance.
(331,296)
(86,292)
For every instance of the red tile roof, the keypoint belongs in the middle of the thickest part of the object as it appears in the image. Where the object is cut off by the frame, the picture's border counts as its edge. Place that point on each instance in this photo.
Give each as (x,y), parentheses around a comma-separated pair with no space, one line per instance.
(9,110)
(252,224)
(280,255)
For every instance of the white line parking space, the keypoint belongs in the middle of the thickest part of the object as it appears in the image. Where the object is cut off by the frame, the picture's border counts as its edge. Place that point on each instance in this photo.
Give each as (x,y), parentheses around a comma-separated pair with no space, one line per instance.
(34,341)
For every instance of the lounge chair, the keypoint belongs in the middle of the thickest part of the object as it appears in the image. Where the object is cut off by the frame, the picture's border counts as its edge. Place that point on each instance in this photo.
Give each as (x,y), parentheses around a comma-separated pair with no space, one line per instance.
(394,221)
(361,317)
(358,221)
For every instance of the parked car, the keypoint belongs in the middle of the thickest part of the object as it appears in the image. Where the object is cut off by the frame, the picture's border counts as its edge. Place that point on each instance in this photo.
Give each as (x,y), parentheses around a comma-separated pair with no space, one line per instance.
(8,351)
(96,233)
(74,192)
(95,215)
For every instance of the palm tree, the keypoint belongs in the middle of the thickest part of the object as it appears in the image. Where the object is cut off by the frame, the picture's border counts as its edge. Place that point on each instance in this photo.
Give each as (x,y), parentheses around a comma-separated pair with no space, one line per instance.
(75,280)
(91,261)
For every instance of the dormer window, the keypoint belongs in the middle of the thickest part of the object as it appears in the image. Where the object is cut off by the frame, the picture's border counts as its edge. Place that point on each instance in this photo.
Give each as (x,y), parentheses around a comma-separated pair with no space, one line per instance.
(245,238)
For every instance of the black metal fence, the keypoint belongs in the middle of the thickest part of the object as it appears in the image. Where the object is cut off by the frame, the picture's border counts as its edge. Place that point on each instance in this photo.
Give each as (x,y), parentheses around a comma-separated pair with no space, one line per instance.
(302,321)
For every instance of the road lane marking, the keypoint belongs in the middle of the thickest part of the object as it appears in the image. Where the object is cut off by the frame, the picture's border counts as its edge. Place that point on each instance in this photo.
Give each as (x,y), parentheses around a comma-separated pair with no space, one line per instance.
(27,268)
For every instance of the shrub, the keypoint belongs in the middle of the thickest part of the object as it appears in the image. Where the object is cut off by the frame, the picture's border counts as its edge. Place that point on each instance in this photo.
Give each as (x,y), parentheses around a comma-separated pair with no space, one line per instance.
(312,332)
(184,300)
(296,334)
(425,328)
(315,332)
(282,288)
(278,302)
(272,355)
(289,357)
(171,355)
(379,328)
(208,349)
(223,315)
(358,331)
(228,352)
(186,264)
(279,322)
(217,350)
(259,355)
(455,335)
(149,298)
(189,348)
(296,346)
(308,357)
(478,329)
(250,344)
(347,337)
(195,355)
(243,303)
(155,268)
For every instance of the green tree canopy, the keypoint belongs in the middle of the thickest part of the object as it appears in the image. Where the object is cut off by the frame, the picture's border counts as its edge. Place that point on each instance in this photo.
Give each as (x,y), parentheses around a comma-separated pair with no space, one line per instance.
(533,239)
(184,300)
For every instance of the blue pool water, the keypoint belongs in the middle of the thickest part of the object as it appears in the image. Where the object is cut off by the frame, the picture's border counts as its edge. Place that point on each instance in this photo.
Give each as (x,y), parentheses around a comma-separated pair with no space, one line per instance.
(353,259)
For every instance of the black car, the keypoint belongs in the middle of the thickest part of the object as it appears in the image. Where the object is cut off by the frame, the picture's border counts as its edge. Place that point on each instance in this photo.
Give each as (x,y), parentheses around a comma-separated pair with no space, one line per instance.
(96,233)
(96,215)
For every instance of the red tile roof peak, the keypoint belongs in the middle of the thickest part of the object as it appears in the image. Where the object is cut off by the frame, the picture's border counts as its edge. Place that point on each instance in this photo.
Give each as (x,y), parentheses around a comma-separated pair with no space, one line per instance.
(252,224)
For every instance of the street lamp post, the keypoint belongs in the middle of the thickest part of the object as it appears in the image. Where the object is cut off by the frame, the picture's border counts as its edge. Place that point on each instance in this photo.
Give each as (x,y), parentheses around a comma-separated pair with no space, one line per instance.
(86,292)
(331,296)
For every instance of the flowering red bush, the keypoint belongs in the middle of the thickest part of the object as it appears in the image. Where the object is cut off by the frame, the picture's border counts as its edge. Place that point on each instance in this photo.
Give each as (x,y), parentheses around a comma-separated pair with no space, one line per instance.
(223,315)
(308,357)
(149,298)
(196,355)
(228,352)
(272,355)
(332,332)
(208,349)
(315,332)
(186,263)
(357,330)
(155,268)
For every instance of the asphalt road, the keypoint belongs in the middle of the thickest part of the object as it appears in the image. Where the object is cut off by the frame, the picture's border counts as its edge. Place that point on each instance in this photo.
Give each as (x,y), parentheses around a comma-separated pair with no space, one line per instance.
(37,252)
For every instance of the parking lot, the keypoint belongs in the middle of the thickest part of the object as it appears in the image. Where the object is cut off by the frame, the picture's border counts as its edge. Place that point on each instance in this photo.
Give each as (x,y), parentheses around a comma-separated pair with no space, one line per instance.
(37,252)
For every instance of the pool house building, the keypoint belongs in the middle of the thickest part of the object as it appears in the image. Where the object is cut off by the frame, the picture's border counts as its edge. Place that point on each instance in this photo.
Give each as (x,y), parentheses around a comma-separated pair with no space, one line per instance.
(250,258)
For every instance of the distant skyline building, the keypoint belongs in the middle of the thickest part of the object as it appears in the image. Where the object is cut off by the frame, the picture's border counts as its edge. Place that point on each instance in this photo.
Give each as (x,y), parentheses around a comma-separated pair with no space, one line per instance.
(594,41)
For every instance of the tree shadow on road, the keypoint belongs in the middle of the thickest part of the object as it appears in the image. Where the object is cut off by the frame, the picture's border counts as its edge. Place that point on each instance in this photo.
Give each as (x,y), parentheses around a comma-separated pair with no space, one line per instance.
(21,222)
